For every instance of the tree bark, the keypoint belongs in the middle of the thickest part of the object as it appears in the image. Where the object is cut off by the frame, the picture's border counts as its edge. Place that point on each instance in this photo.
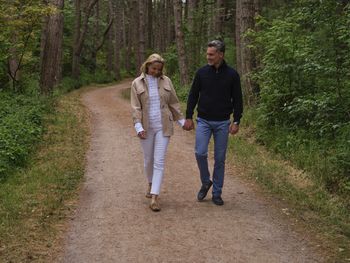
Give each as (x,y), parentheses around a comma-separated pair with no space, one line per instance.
(170,36)
(219,16)
(96,38)
(192,5)
(110,54)
(193,51)
(161,27)
(127,36)
(142,31)
(245,58)
(13,64)
(79,35)
(238,36)
(150,24)
(15,59)
(117,11)
(77,29)
(134,30)
(180,43)
(51,57)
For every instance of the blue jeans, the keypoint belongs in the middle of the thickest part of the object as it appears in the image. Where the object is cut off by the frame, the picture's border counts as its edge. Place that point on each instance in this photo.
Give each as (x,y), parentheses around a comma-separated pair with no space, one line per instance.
(219,130)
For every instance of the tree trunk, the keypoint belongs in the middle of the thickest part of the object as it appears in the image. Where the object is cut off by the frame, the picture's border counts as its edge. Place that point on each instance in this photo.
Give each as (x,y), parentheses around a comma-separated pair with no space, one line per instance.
(142,30)
(117,11)
(128,36)
(185,7)
(110,54)
(170,22)
(247,10)
(192,5)
(51,58)
(238,36)
(79,36)
(13,65)
(134,25)
(194,52)
(202,36)
(219,16)
(77,29)
(124,27)
(161,33)
(95,38)
(150,24)
(180,43)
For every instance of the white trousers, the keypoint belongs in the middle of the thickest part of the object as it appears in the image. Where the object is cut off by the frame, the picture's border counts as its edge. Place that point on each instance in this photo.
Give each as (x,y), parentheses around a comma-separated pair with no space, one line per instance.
(154,150)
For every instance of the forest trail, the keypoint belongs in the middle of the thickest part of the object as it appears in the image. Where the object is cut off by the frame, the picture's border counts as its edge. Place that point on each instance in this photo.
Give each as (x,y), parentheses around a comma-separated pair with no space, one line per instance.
(113,222)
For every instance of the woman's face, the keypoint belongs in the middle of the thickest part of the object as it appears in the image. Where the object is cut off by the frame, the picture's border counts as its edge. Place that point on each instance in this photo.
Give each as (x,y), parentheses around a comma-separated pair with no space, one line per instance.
(155,69)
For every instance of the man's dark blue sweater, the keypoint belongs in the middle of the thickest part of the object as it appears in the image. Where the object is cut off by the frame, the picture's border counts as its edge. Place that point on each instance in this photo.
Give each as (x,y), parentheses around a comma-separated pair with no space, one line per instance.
(217,92)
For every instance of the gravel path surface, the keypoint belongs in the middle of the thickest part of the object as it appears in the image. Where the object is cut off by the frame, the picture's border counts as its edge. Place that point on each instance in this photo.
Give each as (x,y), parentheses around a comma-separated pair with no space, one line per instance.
(113,222)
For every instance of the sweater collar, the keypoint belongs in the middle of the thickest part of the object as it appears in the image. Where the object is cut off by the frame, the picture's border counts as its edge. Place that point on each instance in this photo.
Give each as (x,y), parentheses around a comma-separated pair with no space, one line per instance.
(222,65)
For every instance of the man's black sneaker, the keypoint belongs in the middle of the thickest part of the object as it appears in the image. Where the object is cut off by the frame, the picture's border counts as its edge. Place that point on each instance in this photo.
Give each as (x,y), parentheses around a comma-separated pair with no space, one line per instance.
(217,200)
(204,190)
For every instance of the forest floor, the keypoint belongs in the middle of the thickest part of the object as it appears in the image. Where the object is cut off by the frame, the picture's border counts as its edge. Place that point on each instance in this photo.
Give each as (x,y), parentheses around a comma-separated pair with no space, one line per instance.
(113,222)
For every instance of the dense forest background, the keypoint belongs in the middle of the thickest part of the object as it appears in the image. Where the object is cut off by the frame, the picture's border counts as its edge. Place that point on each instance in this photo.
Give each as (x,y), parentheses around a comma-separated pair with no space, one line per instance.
(293,57)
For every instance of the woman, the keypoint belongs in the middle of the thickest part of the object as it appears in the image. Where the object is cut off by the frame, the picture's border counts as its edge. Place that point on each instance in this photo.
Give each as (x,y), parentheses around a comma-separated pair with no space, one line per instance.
(155,107)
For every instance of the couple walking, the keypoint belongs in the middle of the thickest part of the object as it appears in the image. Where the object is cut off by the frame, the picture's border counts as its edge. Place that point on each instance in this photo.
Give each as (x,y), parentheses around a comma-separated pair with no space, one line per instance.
(216,91)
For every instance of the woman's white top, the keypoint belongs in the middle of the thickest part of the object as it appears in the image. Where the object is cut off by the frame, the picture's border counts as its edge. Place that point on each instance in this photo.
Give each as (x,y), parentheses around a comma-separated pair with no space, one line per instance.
(155,117)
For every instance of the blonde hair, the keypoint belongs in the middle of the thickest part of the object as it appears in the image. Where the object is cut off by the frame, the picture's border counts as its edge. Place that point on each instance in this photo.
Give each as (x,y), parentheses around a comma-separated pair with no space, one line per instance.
(150,60)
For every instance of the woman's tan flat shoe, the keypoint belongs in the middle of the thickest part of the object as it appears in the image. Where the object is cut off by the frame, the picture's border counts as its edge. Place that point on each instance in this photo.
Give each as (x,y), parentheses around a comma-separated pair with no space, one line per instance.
(148,193)
(155,207)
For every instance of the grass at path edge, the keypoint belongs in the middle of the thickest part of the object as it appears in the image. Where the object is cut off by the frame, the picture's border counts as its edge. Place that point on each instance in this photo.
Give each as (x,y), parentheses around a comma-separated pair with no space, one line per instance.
(36,200)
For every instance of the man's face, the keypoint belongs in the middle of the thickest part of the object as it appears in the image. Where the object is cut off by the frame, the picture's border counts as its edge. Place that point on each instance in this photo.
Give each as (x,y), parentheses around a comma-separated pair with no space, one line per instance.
(214,57)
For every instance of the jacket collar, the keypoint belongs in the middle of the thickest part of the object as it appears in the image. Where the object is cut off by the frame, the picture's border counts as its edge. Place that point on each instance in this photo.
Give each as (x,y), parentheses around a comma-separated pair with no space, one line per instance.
(143,76)
(222,65)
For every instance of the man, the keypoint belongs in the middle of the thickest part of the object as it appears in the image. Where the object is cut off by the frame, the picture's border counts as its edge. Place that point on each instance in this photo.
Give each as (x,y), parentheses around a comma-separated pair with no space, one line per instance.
(216,89)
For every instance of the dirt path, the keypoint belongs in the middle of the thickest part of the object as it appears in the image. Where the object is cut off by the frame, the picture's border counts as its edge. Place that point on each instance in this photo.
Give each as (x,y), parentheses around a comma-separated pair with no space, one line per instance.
(114,224)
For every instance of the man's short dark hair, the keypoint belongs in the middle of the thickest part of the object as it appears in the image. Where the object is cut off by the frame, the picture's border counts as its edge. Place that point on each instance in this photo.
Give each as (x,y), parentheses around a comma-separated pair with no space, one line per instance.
(218,44)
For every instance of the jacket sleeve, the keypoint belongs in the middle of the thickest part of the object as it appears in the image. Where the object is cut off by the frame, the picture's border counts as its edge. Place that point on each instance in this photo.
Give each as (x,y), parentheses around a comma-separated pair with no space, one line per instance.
(136,106)
(193,96)
(237,101)
(174,104)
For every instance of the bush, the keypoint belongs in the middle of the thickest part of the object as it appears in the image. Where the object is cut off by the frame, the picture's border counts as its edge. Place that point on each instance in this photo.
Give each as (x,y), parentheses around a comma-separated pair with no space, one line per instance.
(171,62)
(100,76)
(305,97)
(20,127)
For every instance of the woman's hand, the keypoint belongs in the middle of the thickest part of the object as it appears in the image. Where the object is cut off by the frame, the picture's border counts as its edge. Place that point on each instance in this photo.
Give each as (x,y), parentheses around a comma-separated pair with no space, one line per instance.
(142,135)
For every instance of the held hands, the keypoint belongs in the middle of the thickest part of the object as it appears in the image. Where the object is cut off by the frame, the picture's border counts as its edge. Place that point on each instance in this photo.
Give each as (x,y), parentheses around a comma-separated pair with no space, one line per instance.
(142,135)
(234,128)
(189,125)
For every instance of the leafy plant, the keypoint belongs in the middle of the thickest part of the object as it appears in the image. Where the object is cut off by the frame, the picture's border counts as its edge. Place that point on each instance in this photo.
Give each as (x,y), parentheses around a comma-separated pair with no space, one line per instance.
(305,88)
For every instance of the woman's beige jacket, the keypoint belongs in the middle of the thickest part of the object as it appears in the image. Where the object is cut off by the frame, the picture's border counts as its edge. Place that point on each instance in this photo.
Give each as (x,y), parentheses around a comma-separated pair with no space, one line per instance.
(169,103)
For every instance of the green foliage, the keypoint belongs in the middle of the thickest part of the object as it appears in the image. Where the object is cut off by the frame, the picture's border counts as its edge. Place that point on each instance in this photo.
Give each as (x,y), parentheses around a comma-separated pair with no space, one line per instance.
(171,61)
(20,127)
(100,76)
(307,199)
(172,70)
(181,91)
(35,199)
(67,84)
(230,53)
(21,23)
(305,88)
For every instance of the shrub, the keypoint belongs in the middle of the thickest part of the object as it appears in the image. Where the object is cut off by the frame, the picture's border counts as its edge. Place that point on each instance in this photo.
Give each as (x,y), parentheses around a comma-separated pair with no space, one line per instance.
(305,97)
(20,127)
